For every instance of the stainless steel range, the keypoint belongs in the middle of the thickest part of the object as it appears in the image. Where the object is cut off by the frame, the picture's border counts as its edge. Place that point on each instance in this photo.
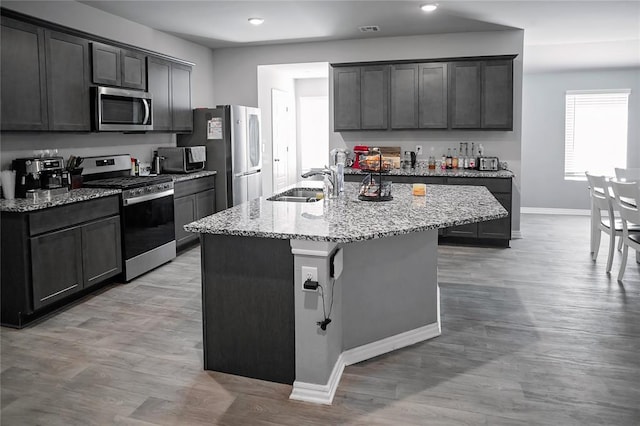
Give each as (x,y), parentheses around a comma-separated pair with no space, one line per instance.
(146,212)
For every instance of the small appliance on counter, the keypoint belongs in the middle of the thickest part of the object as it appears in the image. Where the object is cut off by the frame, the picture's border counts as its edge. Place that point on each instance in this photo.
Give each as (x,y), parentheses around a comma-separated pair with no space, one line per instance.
(358,151)
(488,164)
(183,159)
(409,160)
(40,177)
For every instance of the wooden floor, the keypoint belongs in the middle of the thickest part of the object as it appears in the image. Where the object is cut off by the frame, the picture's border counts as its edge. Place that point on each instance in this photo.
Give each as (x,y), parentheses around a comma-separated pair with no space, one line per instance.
(534,334)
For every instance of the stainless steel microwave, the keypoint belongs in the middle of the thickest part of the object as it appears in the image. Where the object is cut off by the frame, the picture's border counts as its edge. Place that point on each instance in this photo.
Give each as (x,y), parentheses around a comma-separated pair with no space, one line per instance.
(121,110)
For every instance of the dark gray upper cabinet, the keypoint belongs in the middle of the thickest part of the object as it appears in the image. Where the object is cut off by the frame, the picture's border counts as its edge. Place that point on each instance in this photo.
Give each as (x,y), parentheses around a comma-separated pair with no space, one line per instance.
(23,78)
(404,96)
(497,95)
(134,69)
(67,82)
(346,98)
(170,86)
(182,116)
(433,86)
(159,80)
(105,64)
(114,66)
(374,97)
(464,95)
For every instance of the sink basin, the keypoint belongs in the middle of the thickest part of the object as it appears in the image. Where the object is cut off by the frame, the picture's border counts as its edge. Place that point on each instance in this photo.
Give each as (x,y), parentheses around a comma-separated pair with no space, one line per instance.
(298,195)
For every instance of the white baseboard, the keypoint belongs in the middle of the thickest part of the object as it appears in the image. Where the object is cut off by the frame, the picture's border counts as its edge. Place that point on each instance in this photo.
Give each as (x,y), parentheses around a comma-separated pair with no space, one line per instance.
(370,350)
(319,394)
(323,394)
(516,235)
(544,210)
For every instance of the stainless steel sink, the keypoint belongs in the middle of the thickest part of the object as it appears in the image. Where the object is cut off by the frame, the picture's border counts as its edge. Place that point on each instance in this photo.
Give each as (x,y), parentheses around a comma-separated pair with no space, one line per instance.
(298,195)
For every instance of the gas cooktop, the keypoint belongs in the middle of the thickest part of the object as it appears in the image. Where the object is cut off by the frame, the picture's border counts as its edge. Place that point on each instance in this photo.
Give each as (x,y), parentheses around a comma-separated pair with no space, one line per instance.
(127,182)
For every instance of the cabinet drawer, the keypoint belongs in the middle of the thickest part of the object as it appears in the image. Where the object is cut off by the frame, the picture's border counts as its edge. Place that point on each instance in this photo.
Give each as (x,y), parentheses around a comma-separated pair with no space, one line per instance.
(72,214)
(492,184)
(182,189)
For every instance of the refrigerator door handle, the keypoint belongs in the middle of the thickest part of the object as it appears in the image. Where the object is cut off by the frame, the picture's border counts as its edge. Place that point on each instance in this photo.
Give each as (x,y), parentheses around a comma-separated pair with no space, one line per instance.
(253,172)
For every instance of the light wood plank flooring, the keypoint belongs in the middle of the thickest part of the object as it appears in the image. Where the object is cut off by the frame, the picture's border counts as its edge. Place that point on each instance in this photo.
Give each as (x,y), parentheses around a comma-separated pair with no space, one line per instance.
(534,334)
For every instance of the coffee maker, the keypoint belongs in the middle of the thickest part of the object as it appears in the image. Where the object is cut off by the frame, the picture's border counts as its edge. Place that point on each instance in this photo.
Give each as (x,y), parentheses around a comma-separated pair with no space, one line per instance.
(37,174)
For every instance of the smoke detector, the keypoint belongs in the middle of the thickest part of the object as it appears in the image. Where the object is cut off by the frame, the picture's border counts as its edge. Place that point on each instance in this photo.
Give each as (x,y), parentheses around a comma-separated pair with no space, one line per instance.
(369,29)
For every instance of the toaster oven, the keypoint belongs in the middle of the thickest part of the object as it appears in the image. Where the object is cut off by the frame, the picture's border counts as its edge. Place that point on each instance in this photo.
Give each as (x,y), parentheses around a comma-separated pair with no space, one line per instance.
(182,159)
(488,163)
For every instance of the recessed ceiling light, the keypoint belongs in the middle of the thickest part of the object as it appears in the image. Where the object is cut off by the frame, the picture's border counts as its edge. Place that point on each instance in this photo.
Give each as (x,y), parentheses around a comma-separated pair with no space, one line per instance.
(429,7)
(256,21)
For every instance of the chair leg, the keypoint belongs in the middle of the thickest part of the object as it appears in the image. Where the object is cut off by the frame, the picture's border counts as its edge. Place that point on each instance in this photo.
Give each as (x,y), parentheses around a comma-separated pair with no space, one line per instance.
(620,243)
(596,244)
(612,245)
(623,264)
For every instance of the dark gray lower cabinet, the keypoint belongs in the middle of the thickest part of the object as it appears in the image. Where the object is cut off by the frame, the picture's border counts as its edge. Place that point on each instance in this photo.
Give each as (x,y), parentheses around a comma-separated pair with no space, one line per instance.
(193,200)
(52,254)
(56,265)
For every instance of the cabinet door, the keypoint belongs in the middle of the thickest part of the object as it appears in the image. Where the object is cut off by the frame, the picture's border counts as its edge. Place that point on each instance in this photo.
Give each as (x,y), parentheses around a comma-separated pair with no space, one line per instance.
(106,64)
(464,95)
(185,212)
(497,95)
(159,79)
(374,95)
(23,78)
(101,251)
(346,98)
(56,265)
(182,115)
(498,228)
(433,95)
(205,203)
(134,69)
(68,82)
(404,96)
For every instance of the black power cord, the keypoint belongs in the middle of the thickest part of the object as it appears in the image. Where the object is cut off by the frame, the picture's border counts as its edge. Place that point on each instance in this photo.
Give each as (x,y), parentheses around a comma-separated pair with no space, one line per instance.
(326,321)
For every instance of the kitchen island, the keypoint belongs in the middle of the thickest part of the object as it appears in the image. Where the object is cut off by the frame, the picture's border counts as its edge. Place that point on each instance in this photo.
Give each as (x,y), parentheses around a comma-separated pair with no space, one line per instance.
(376,263)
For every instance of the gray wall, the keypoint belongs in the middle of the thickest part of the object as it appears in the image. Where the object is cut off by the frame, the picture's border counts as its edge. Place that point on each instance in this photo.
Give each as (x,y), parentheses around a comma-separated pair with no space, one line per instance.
(86,18)
(543,184)
(235,71)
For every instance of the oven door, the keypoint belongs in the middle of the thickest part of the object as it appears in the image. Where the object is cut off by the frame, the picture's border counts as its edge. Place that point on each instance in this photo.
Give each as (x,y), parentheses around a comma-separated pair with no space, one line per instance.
(147,224)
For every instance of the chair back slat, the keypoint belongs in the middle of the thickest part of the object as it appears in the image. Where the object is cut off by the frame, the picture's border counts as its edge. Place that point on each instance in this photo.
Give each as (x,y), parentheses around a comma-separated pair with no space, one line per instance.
(599,191)
(628,175)
(627,196)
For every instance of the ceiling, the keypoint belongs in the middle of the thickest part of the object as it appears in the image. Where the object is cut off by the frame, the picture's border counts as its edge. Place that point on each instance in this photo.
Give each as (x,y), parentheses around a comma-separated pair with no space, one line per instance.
(558,35)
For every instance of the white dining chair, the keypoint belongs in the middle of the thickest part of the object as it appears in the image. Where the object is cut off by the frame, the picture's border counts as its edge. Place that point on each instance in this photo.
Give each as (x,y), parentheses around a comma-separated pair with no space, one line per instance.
(628,175)
(602,217)
(627,196)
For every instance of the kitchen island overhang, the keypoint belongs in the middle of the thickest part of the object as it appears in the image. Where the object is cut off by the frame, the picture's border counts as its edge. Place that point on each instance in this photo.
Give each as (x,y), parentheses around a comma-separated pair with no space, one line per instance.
(259,322)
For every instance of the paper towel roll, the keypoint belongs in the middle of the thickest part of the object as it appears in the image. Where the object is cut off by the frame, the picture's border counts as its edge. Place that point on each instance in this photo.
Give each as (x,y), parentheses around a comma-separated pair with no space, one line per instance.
(8,178)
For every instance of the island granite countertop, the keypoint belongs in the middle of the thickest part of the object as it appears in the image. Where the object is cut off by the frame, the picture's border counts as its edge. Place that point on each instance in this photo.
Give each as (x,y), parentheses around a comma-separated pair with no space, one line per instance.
(424,171)
(347,219)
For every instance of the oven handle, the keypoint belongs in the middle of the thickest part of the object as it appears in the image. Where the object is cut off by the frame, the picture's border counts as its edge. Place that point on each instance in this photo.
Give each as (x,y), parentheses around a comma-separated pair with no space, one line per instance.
(147,197)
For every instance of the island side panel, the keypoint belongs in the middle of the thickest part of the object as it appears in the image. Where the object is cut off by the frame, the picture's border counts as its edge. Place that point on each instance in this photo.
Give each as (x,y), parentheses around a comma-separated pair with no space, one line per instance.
(390,287)
(248,307)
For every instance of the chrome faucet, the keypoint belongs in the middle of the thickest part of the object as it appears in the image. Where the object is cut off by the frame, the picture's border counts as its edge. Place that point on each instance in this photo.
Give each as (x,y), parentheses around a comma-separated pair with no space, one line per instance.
(332,177)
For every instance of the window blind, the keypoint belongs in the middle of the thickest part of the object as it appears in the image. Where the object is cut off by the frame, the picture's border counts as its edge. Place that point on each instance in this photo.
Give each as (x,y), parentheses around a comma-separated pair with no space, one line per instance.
(595,131)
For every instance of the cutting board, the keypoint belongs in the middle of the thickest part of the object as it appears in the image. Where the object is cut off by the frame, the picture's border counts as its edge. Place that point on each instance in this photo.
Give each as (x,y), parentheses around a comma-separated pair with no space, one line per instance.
(392,153)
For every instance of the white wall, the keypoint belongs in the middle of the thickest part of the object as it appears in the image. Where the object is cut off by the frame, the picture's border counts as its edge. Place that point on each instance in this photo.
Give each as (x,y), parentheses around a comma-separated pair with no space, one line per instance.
(543,183)
(235,71)
(86,18)
(309,87)
(268,79)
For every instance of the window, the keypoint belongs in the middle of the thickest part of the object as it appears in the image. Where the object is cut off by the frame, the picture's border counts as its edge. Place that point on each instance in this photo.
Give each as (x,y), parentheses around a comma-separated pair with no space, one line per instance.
(595,132)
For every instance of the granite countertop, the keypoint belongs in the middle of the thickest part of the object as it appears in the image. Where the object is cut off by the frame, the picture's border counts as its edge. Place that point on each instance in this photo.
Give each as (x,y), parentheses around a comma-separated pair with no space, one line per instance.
(181,177)
(22,205)
(347,219)
(424,171)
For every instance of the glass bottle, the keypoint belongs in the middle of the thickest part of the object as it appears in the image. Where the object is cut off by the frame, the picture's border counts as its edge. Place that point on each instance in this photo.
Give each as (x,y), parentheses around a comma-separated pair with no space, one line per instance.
(454,160)
(449,158)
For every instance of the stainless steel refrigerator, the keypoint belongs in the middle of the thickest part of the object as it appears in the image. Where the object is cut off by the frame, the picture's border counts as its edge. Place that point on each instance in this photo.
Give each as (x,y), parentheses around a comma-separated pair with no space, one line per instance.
(231,134)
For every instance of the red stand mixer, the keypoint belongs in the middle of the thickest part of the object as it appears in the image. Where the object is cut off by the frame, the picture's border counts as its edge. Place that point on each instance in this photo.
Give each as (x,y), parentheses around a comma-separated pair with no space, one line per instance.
(359,150)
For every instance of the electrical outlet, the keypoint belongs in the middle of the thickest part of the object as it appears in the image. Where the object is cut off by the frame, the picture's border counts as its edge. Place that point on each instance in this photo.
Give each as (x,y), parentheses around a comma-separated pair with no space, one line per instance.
(418,149)
(311,273)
